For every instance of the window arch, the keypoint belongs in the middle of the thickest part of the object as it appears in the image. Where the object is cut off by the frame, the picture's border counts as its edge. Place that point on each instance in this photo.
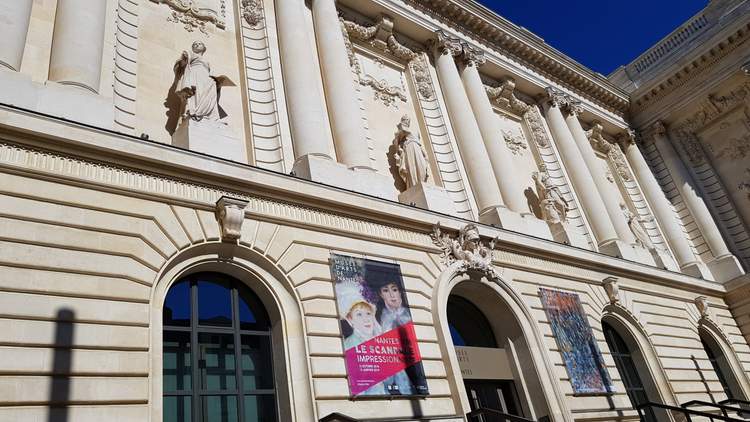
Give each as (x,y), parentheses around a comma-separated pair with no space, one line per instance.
(721,366)
(468,325)
(627,367)
(217,357)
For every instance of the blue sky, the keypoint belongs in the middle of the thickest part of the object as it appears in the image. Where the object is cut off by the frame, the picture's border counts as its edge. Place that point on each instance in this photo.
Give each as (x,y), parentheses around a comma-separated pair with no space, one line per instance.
(601,34)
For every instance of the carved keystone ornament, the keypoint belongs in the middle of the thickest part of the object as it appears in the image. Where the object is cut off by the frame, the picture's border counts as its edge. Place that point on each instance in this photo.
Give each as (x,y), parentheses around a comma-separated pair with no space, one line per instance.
(612,289)
(230,213)
(467,249)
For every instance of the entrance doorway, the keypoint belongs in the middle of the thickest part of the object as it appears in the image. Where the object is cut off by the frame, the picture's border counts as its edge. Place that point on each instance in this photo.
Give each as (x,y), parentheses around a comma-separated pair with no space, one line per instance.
(495,394)
(492,355)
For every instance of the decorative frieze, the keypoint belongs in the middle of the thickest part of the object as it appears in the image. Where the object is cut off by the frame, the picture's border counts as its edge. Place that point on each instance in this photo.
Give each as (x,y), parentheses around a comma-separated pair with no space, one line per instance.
(194,16)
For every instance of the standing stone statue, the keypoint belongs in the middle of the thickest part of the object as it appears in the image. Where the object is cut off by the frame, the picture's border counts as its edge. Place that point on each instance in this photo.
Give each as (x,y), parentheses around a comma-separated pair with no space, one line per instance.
(634,222)
(553,204)
(411,157)
(197,89)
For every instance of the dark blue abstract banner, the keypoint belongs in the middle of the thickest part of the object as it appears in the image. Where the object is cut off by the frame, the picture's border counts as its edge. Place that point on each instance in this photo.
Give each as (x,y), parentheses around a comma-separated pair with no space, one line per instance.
(576,341)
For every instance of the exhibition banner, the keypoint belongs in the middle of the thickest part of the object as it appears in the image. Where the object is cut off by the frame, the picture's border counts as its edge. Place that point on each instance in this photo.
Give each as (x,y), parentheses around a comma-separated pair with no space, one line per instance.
(380,345)
(576,341)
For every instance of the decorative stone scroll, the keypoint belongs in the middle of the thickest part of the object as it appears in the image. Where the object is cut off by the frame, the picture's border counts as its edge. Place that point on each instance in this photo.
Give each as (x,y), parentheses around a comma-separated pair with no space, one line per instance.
(230,213)
(194,16)
(467,249)
(612,151)
(380,37)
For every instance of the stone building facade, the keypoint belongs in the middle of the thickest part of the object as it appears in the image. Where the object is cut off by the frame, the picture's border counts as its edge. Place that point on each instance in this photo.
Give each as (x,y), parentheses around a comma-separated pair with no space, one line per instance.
(151,148)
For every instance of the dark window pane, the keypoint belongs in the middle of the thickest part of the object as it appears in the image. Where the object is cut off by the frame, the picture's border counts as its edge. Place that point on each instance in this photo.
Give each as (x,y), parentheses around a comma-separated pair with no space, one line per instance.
(456,336)
(260,408)
(256,363)
(177,305)
(220,409)
(214,304)
(469,323)
(217,362)
(177,409)
(252,313)
(177,361)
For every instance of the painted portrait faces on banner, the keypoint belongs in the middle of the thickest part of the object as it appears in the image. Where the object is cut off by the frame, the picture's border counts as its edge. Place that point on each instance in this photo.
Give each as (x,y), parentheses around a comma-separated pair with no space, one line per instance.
(576,341)
(380,345)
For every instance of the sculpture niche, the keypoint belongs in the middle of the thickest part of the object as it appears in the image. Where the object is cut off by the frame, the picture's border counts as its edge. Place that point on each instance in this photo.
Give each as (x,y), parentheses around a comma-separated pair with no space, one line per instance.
(414,170)
(202,126)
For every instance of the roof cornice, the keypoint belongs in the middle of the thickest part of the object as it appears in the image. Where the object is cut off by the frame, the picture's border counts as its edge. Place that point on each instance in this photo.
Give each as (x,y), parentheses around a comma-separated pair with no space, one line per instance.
(483,24)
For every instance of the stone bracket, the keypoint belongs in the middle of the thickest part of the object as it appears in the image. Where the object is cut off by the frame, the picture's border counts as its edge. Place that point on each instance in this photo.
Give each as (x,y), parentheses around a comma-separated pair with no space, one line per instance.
(230,213)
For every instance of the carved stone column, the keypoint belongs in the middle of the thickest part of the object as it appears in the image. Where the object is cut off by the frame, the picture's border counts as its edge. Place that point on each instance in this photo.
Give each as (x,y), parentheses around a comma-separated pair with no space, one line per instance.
(469,137)
(304,100)
(499,154)
(77,43)
(346,118)
(608,195)
(665,216)
(15,16)
(725,266)
(581,178)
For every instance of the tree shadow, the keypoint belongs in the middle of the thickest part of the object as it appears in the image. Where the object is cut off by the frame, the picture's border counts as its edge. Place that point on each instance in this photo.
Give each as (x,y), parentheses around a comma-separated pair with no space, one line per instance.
(703,378)
(61,366)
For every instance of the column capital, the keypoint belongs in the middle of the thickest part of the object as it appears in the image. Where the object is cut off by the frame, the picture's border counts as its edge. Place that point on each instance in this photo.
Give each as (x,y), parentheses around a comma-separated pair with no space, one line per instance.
(573,107)
(657,128)
(627,138)
(472,56)
(561,100)
(444,44)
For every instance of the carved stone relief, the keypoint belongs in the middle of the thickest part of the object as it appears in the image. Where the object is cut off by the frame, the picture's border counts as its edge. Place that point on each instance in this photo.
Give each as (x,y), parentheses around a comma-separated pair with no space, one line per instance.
(467,249)
(745,185)
(516,142)
(551,201)
(252,12)
(387,87)
(195,14)
(614,155)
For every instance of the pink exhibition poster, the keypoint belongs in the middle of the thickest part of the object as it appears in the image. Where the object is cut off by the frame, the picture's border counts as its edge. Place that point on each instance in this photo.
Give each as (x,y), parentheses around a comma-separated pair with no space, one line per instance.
(380,344)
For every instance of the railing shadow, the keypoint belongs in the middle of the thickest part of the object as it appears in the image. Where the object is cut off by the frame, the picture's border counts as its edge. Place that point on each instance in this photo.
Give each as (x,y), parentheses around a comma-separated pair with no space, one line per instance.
(61,367)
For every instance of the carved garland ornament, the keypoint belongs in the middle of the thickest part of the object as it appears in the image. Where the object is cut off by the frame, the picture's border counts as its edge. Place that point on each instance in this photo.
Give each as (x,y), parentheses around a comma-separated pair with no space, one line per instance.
(381,38)
(504,96)
(468,250)
(194,16)
(515,142)
(712,108)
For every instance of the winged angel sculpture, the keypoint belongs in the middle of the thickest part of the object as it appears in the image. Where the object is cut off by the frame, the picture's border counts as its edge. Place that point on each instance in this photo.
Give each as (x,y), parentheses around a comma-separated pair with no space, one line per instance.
(468,249)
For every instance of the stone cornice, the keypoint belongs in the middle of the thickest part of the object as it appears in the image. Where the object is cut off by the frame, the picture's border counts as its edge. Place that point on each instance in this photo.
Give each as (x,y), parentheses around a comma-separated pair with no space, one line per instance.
(500,34)
(65,152)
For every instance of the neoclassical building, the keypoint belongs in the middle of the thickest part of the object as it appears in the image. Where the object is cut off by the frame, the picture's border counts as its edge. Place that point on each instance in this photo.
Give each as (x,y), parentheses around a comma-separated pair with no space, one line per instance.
(359,210)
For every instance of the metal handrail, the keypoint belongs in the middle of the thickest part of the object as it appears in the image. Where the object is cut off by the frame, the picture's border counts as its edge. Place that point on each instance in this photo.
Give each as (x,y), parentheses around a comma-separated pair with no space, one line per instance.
(483,411)
(686,412)
(340,417)
(737,401)
(723,407)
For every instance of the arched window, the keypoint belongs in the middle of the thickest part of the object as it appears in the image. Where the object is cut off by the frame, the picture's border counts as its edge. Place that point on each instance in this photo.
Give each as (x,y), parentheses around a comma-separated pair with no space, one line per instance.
(721,366)
(468,325)
(626,366)
(216,353)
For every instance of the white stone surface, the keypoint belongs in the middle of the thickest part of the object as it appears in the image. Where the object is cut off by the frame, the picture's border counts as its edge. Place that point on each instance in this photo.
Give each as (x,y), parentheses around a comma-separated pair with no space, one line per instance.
(331,173)
(429,197)
(210,137)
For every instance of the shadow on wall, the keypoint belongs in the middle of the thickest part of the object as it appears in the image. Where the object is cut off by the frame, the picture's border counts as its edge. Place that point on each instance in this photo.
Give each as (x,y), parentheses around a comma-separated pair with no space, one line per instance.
(703,379)
(61,366)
